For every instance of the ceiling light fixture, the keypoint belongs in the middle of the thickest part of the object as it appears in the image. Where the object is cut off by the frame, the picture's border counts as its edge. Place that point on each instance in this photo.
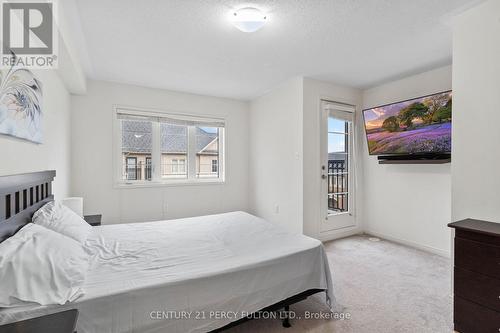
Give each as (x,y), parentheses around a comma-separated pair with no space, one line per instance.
(248,19)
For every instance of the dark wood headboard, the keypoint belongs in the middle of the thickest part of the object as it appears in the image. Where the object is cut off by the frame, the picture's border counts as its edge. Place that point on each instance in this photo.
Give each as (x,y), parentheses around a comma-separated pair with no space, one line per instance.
(21,196)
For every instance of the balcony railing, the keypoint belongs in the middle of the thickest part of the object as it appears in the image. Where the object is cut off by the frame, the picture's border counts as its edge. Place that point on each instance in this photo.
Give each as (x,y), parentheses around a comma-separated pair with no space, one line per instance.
(139,171)
(338,186)
(143,171)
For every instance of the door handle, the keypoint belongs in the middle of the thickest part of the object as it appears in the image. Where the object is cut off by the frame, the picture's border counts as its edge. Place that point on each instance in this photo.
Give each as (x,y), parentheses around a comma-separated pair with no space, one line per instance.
(323,176)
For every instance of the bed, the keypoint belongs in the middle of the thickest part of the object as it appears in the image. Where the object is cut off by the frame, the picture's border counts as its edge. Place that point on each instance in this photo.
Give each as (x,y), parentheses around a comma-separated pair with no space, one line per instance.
(197,274)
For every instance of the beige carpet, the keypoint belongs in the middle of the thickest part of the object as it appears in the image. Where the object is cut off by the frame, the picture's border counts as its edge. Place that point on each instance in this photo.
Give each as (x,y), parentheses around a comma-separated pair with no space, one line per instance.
(385,287)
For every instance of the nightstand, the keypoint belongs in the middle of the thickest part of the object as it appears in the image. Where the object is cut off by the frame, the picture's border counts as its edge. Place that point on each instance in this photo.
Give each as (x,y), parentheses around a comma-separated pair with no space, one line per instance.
(93,220)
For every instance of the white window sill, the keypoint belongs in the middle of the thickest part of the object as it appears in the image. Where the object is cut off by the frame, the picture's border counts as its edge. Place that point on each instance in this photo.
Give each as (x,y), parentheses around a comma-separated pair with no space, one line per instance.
(183,182)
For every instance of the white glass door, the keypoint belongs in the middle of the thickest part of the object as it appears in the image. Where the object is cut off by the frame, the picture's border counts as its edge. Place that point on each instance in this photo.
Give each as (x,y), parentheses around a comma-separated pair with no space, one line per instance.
(337,190)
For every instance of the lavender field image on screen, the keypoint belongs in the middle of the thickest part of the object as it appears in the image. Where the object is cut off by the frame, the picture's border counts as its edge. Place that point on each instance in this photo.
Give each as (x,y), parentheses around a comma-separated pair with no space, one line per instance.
(421,125)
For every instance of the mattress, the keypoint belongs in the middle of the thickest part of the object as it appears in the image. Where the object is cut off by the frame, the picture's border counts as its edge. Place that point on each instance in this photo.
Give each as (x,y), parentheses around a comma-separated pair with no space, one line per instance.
(189,275)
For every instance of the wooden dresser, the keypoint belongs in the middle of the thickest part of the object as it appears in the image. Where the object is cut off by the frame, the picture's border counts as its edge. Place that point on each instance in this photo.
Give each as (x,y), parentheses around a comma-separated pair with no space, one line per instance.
(476,306)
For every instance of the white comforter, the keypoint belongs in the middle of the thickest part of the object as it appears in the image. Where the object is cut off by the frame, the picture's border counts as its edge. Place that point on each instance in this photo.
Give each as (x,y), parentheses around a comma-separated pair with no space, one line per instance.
(189,275)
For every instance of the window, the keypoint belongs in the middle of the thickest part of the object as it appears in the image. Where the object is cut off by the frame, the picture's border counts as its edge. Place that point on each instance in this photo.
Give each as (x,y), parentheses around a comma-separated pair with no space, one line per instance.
(177,167)
(338,165)
(160,148)
(174,150)
(131,168)
(136,149)
(148,168)
(182,166)
(207,146)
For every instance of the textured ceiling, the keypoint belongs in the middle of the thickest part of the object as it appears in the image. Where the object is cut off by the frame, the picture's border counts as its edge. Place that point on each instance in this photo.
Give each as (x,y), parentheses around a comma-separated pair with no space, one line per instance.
(190,45)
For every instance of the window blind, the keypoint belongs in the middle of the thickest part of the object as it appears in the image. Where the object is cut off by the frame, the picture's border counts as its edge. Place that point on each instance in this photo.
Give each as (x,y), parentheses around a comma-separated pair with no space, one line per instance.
(342,111)
(183,120)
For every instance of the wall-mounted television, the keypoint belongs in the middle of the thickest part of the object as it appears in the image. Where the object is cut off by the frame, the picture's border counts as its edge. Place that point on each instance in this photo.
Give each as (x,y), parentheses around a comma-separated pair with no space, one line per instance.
(419,126)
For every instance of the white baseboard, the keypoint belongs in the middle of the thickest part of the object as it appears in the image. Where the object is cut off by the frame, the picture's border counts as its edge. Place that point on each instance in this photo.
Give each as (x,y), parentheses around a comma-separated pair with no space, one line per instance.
(340,233)
(406,242)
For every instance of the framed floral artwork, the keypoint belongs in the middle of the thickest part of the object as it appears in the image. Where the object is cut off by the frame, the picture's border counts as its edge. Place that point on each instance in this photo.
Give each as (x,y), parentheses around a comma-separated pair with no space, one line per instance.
(21,105)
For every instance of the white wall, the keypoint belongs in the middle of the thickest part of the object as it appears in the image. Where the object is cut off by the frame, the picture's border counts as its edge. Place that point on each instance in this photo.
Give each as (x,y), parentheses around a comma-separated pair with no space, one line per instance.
(20,156)
(276,155)
(285,165)
(313,92)
(92,145)
(409,203)
(476,114)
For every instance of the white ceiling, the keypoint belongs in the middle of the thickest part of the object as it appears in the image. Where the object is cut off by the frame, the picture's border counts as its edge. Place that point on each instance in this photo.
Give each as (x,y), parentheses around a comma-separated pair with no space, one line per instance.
(190,45)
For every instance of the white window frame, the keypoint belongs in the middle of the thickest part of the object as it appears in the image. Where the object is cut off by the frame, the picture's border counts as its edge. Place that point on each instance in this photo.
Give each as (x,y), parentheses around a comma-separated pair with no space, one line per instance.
(189,162)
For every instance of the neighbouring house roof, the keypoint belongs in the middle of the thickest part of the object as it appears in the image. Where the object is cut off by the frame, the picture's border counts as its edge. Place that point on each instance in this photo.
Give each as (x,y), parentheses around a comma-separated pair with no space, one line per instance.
(137,138)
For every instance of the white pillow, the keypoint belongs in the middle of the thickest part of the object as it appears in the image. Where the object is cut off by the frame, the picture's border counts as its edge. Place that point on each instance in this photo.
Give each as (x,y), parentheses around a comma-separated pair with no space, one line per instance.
(57,217)
(41,266)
